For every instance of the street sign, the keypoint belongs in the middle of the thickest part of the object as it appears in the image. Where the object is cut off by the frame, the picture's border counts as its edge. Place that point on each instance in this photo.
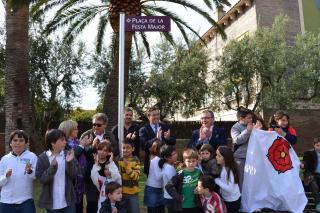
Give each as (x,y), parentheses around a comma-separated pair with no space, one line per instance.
(148,23)
(133,23)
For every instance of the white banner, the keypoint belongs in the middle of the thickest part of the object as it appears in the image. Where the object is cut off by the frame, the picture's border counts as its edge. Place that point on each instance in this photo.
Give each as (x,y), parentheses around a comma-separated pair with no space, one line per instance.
(271,176)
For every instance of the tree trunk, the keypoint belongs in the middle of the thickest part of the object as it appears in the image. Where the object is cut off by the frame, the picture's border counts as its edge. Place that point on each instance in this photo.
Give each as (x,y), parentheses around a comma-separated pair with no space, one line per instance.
(110,102)
(17,106)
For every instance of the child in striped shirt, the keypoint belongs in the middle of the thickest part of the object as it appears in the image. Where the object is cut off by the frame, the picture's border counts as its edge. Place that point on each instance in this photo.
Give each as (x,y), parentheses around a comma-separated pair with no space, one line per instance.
(129,168)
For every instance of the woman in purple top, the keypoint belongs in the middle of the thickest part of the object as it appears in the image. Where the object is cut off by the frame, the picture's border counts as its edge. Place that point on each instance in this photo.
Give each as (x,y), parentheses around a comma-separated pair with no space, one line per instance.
(70,128)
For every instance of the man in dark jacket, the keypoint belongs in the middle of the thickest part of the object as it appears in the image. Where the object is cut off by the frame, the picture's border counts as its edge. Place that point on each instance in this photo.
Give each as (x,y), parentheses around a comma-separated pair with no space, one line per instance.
(98,133)
(311,164)
(131,131)
(216,138)
(154,131)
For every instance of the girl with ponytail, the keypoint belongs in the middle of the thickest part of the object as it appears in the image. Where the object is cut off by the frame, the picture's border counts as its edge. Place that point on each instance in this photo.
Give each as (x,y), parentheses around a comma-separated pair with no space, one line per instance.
(168,157)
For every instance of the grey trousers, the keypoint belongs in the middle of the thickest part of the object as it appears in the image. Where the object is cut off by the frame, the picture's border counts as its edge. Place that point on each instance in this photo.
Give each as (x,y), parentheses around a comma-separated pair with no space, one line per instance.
(131,203)
(241,163)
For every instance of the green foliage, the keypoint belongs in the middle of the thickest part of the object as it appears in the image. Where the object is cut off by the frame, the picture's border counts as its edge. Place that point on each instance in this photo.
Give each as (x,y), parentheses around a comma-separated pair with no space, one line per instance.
(56,76)
(102,66)
(81,115)
(177,81)
(306,63)
(266,71)
(182,86)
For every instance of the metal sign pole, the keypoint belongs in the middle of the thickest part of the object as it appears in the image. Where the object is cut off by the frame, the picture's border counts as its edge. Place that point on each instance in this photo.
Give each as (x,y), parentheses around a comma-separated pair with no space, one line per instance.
(121,80)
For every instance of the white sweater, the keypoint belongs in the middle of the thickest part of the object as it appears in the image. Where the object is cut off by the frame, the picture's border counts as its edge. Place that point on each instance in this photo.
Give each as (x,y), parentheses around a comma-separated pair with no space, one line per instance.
(155,174)
(168,172)
(229,190)
(18,187)
(101,181)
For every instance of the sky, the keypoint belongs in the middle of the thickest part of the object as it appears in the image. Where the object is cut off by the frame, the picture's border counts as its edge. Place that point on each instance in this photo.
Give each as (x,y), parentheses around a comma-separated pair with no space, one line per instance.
(90,98)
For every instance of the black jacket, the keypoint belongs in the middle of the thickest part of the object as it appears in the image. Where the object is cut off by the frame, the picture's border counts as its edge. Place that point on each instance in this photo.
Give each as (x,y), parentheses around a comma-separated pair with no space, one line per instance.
(310,160)
(147,137)
(174,189)
(218,138)
(106,207)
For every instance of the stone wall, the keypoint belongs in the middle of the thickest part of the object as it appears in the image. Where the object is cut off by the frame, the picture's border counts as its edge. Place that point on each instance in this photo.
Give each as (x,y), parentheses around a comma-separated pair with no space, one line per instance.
(243,24)
(268,10)
(307,124)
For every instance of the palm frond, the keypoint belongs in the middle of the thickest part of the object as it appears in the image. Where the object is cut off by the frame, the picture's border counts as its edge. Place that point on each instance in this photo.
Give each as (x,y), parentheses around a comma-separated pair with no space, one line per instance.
(145,42)
(135,39)
(67,5)
(41,6)
(174,17)
(169,37)
(221,3)
(103,22)
(84,20)
(208,3)
(68,17)
(196,9)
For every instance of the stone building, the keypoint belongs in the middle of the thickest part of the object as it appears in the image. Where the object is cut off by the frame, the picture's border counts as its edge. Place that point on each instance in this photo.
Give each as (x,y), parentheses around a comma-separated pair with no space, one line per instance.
(244,18)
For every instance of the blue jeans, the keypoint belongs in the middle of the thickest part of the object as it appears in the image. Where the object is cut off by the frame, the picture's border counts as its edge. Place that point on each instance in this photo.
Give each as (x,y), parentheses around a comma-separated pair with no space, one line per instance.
(25,207)
(68,209)
(131,203)
(153,197)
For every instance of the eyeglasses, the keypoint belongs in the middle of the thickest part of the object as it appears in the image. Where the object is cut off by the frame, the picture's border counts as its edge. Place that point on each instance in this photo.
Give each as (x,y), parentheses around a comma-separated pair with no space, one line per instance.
(97,125)
(205,118)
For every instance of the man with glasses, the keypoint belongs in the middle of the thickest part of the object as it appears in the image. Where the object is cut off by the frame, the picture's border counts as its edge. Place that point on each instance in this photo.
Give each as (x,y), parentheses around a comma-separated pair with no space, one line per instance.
(154,131)
(100,133)
(97,134)
(208,133)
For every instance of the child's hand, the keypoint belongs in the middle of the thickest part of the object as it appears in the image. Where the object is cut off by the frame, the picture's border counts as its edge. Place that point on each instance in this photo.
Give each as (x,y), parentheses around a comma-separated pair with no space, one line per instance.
(250,126)
(8,173)
(96,158)
(280,131)
(96,142)
(114,210)
(70,155)
(28,169)
(87,140)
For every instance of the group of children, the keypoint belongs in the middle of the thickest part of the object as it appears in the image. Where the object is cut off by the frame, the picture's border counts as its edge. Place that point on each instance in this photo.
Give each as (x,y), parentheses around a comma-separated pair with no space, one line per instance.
(194,186)
(207,181)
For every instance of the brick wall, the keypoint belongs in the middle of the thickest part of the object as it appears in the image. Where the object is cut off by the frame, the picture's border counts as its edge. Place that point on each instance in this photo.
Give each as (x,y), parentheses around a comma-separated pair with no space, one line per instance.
(307,124)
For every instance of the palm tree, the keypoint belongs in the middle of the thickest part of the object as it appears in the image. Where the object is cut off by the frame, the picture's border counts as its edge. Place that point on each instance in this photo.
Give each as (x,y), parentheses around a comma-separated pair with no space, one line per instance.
(17,97)
(78,15)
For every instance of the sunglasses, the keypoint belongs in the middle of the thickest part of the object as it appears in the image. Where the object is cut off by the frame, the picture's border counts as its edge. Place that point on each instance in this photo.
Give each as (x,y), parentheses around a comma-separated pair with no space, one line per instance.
(97,125)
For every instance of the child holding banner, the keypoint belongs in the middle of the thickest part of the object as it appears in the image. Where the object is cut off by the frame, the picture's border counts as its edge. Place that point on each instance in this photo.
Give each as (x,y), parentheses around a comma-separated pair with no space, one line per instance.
(279,122)
(229,179)
(240,133)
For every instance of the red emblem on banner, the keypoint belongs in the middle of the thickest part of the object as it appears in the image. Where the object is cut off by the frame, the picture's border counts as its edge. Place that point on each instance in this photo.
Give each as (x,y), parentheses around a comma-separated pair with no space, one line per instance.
(278,155)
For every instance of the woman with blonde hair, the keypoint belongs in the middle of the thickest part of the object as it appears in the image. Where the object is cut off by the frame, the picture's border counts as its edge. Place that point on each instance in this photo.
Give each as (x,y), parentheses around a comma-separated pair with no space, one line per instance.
(70,129)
